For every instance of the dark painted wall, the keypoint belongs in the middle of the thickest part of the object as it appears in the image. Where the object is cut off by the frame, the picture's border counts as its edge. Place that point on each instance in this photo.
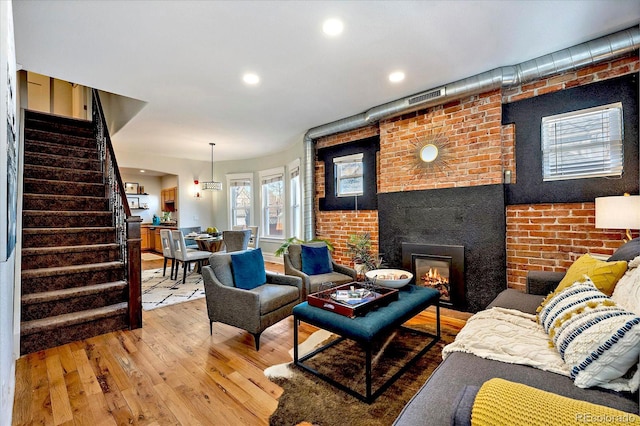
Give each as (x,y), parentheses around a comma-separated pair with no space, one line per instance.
(473,217)
(368,201)
(527,116)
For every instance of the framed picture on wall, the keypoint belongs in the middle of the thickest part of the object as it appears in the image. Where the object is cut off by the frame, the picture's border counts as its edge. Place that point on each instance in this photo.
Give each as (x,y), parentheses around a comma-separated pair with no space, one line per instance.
(8,135)
(131,187)
(134,202)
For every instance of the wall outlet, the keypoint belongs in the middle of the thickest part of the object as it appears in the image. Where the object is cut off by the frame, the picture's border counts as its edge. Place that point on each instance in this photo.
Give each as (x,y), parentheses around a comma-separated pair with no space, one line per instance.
(195,217)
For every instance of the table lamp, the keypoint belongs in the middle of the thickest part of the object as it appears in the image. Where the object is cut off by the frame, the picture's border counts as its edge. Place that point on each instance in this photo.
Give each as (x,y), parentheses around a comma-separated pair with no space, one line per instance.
(618,212)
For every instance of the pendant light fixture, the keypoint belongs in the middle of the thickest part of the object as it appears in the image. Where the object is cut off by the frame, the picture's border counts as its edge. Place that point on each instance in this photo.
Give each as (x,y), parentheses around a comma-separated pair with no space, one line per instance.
(212,185)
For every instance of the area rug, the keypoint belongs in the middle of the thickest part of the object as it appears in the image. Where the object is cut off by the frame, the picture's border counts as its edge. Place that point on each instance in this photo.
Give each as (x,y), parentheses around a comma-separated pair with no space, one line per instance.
(159,291)
(151,256)
(307,398)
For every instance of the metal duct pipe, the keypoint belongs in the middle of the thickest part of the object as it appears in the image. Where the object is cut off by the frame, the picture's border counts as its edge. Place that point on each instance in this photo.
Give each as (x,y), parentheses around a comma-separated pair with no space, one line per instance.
(308,161)
(581,55)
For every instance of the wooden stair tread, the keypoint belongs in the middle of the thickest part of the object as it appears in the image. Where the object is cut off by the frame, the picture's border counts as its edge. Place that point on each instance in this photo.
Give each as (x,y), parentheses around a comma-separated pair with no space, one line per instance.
(55,145)
(65,197)
(68,230)
(43,167)
(61,182)
(68,249)
(67,293)
(33,134)
(66,213)
(65,320)
(73,269)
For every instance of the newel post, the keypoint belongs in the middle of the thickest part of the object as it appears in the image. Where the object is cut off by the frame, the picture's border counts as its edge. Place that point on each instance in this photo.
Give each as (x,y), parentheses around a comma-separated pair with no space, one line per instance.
(134,271)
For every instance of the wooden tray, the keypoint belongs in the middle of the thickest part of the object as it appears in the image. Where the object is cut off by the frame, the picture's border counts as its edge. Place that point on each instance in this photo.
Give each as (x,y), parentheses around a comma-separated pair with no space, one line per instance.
(381,297)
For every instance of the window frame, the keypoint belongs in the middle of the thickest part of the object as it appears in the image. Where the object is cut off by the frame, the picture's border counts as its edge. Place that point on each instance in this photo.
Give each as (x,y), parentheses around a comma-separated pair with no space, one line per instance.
(265,175)
(338,163)
(611,149)
(295,194)
(239,177)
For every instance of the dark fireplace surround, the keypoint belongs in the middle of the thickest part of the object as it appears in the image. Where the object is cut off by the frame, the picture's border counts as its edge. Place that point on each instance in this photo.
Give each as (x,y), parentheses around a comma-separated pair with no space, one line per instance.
(471,217)
(447,263)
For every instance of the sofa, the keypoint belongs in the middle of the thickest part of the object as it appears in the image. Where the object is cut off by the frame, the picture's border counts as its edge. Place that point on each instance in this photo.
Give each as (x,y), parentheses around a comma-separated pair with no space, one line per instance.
(445,394)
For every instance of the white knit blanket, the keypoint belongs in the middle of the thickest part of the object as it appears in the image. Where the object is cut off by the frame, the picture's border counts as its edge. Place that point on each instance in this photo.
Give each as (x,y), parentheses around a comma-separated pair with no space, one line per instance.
(509,336)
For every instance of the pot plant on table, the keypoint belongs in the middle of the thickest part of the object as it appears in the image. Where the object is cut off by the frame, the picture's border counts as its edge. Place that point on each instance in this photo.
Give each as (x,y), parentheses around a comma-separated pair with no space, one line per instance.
(359,249)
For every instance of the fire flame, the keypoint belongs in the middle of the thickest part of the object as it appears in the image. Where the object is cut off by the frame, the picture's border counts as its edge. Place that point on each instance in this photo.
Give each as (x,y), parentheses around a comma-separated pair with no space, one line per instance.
(433,277)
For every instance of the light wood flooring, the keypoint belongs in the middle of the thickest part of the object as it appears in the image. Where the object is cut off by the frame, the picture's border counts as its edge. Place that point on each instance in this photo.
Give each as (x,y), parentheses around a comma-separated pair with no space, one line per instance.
(171,371)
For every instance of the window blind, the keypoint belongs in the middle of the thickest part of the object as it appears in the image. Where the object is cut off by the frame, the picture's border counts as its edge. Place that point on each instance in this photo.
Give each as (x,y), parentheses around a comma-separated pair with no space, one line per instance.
(585,143)
(272,178)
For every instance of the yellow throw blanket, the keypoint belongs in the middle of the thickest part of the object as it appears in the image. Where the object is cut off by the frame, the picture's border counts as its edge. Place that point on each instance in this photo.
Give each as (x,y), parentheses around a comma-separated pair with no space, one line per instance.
(500,402)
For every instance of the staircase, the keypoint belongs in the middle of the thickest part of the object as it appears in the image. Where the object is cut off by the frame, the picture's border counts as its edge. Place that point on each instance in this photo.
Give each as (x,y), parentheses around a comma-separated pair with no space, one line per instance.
(73,273)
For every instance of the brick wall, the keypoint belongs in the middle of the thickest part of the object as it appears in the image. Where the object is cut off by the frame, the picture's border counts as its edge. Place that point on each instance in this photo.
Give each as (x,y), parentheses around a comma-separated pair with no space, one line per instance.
(625,65)
(336,226)
(472,151)
(477,149)
(550,237)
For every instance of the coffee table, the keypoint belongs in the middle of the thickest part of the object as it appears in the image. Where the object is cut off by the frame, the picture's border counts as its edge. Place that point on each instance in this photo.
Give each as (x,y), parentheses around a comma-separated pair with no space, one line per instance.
(365,330)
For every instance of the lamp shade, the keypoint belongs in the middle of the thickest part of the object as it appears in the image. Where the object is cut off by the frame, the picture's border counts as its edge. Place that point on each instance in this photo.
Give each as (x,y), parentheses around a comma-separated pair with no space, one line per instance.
(618,212)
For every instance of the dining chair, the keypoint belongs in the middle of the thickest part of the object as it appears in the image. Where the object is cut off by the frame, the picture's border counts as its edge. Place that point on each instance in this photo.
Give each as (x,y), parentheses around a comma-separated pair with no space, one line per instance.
(236,240)
(186,256)
(253,241)
(167,252)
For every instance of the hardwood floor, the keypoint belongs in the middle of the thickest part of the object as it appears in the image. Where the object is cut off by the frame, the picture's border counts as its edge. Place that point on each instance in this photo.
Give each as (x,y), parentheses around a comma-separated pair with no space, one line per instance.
(171,371)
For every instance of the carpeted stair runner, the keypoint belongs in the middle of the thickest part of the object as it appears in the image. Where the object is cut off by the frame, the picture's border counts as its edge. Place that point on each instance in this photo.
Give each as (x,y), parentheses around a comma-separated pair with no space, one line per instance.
(73,278)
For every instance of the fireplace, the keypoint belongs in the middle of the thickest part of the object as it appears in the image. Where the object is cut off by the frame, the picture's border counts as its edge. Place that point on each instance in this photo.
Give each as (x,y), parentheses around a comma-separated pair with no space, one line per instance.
(437,266)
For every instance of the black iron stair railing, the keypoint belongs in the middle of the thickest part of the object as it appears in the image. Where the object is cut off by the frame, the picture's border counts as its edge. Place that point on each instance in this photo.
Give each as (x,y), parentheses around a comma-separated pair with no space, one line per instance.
(127,226)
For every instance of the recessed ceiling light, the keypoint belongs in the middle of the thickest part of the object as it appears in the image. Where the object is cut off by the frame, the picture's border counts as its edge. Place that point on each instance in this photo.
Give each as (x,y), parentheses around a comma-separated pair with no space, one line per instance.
(332,27)
(396,76)
(251,78)
(141,171)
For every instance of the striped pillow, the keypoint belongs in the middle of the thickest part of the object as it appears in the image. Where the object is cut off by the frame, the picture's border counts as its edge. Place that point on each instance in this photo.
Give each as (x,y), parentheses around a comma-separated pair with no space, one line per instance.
(598,339)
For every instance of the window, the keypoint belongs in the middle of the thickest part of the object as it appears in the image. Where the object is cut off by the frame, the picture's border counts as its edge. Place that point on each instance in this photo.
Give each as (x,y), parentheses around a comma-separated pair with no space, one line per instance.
(240,199)
(349,175)
(585,143)
(273,203)
(295,206)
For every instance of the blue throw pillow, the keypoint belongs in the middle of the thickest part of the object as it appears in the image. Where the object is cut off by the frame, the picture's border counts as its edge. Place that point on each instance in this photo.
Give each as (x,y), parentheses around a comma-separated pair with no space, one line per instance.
(315,260)
(248,269)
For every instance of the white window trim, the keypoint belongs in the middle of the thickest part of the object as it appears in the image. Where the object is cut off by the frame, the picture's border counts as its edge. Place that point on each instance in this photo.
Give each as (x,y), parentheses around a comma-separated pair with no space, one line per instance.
(295,164)
(237,176)
(262,175)
(561,168)
(353,158)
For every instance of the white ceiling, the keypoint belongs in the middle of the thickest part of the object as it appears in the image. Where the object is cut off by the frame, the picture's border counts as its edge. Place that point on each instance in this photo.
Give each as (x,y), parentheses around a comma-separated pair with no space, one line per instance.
(186,59)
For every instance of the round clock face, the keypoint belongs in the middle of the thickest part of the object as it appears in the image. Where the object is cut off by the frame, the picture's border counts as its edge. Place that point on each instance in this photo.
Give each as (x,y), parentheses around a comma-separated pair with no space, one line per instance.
(428,153)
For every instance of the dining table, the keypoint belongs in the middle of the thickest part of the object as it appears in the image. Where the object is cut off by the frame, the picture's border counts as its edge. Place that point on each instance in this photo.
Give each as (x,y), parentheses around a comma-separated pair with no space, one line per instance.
(209,243)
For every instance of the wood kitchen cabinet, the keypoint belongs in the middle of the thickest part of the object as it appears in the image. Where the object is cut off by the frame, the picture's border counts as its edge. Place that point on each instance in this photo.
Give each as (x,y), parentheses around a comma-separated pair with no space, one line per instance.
(168,198)
(157,241)
(144,235)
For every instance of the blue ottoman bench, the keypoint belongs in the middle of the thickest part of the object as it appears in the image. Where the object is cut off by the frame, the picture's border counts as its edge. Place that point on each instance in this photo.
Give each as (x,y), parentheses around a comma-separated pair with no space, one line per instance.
(365,330)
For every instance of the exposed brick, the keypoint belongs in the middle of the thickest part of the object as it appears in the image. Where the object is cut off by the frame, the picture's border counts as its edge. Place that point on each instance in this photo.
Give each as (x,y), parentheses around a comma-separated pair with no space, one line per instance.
(478,149)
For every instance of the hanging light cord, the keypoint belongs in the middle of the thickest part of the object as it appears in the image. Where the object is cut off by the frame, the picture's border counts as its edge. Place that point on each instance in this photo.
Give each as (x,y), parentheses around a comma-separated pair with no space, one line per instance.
(212,145)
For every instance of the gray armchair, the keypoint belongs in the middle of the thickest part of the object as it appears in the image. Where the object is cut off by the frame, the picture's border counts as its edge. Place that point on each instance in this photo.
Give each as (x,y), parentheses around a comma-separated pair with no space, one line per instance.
(293,266)
(253,310)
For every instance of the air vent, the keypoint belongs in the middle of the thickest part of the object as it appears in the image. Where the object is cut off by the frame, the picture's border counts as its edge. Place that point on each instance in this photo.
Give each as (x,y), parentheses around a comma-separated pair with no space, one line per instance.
(427,96)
